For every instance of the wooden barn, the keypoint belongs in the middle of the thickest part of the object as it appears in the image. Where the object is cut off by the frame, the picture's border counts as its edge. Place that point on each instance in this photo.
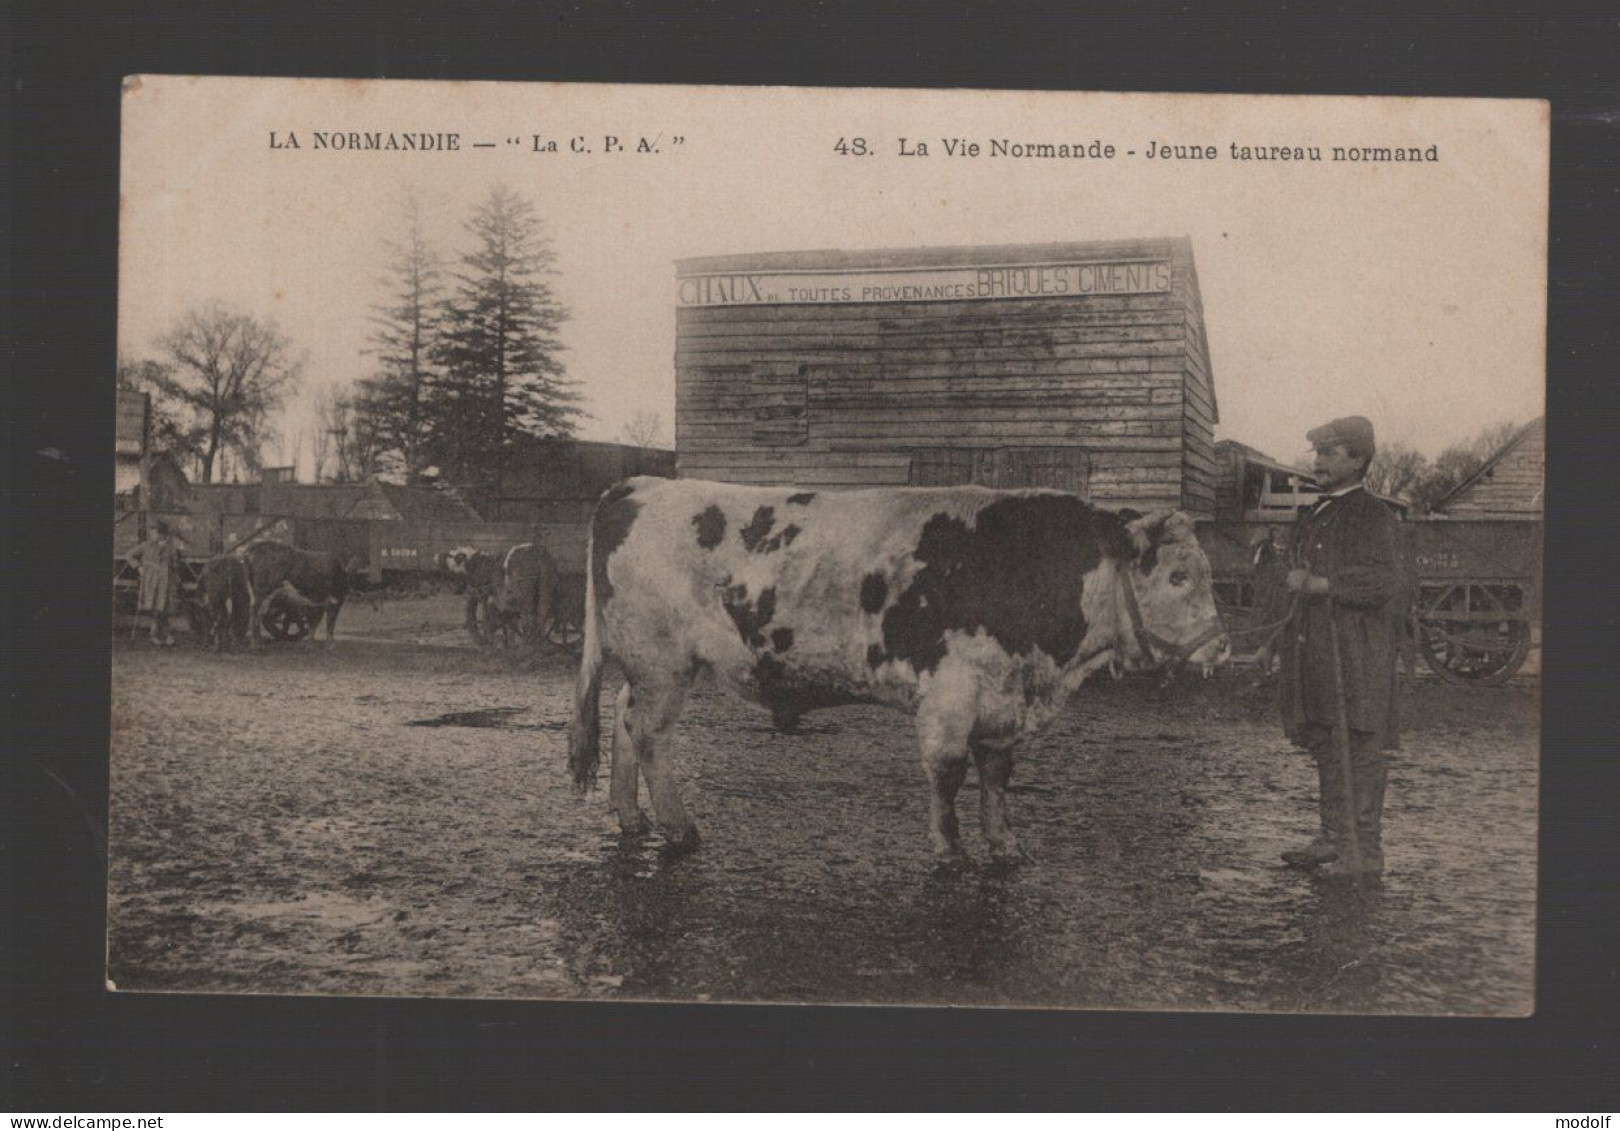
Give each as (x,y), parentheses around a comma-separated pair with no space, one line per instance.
(1253,487)
(1509,485)
(1082,366)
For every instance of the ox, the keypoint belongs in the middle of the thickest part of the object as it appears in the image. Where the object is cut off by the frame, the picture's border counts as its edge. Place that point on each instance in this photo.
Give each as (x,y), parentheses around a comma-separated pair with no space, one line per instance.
(979,612)
(483,574)
(225,593)
(310,578)
(527,591)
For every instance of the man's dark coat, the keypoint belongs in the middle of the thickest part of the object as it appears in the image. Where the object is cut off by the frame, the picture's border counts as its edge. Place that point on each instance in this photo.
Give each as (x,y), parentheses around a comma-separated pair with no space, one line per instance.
(1351,540)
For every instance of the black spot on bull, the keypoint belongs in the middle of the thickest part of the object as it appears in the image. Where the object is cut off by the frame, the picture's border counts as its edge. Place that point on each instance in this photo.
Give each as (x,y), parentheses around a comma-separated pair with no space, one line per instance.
(750,617)
(790,694)
(783,537)
(1017,574)
(802,499)
(874,591)
(615,513)
(758,527)
(782,639)
(711,527)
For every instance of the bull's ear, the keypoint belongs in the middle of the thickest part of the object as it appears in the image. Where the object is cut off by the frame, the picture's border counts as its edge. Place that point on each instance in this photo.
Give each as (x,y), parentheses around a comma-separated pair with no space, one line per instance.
(1178,527)
(1146,531)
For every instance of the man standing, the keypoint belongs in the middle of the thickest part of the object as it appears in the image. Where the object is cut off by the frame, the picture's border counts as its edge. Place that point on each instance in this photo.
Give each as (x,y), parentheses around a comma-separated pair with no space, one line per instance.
(159,560)
(1347,574)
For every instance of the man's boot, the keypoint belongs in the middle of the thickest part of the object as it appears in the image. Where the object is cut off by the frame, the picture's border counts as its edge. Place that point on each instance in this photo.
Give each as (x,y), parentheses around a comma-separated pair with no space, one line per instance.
(1324,848)
(1371,775)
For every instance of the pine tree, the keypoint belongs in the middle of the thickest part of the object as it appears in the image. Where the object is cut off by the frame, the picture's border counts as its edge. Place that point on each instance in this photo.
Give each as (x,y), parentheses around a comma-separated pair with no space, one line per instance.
(392,406)
(502,372)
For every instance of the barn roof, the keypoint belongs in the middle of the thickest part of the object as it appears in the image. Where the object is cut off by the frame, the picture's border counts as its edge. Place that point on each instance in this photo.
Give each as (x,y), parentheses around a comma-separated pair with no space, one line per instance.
(1256,456)
(1489,465)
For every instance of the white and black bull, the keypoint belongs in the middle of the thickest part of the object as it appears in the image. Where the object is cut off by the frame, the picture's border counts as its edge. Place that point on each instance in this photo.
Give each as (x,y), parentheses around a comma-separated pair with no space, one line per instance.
(978,611)
(315,580)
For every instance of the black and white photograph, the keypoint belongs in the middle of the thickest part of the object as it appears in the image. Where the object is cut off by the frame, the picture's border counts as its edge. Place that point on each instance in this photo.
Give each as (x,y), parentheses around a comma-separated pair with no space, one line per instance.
(828,546)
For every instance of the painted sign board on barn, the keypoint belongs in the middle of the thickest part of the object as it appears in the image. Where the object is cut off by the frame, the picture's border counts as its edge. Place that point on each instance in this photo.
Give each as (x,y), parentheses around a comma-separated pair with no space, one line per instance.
(1081,366)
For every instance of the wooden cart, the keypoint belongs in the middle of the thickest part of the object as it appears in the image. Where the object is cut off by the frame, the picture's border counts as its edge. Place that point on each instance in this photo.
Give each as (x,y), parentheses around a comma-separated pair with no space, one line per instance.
(1476,587)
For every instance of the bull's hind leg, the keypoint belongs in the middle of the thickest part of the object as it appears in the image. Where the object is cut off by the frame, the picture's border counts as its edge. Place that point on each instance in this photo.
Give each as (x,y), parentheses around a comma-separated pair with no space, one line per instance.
(648,712)
(995,768)
(624,785)
(944,737)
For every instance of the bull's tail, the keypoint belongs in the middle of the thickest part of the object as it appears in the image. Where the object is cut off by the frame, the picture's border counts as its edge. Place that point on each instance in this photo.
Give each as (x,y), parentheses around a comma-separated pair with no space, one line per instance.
(585,732)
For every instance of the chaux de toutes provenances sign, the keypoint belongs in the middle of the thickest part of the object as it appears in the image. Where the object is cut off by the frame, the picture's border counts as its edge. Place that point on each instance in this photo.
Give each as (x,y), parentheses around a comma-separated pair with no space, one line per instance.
(925,284)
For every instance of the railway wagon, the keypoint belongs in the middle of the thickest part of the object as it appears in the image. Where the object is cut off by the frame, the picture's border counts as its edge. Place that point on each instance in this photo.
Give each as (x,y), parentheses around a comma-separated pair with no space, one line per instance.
(404,550)
(1476,586)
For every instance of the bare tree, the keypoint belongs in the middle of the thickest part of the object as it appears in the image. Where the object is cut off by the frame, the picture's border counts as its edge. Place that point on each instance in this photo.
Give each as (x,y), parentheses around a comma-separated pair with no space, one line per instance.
(1396,470)
(231,372)
(643,430)
(346,437)
(171,431)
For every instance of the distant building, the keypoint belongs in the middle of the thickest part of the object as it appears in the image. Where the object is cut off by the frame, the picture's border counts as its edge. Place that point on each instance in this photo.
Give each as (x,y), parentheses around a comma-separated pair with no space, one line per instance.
(1253,487)
(1079,366)
(558,481)
(1511,484)
(131,425)
(373,501)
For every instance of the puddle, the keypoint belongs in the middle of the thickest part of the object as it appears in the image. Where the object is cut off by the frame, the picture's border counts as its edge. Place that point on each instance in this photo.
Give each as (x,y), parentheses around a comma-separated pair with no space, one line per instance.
(495,718)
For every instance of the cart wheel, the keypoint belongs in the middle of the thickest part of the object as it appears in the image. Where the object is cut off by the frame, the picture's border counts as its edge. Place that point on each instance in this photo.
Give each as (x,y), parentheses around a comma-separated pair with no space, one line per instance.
(565,632)
(1474,652)
(285,623)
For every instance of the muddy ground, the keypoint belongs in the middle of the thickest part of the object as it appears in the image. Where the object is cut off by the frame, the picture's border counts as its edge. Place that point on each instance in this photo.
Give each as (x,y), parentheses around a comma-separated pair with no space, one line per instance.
(281,825)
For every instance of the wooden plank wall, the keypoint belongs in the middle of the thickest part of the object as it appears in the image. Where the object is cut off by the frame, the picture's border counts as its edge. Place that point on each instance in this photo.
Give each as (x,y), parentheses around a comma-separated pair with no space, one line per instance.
(1513,488)
(1114,375)
(1200,469)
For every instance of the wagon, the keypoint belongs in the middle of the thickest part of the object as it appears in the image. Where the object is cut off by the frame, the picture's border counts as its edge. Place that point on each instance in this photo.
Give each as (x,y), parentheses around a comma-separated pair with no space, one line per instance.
(1476,588)
(1478,594)
(283,619)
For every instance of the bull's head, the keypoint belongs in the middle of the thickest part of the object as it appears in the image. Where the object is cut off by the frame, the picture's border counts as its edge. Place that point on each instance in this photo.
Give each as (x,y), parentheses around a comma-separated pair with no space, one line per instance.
(1169,604)
(455,561)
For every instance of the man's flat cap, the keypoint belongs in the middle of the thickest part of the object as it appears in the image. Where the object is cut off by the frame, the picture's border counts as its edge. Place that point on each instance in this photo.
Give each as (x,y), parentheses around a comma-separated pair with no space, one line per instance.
(1354,432)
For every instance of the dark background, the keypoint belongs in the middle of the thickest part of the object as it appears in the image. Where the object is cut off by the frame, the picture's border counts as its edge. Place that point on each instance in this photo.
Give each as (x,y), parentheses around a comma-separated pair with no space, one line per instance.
(69,1047)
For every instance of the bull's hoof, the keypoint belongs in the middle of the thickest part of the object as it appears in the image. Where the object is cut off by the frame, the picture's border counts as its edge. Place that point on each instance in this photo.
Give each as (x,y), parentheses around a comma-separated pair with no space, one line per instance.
(1010,851)
(949,857)
(680,842)
(635,824)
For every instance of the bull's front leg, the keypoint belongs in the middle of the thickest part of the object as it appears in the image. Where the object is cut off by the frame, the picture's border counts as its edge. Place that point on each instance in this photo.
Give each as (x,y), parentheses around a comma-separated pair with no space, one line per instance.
(994,760)
(944,738)
(257,617)
(472,615)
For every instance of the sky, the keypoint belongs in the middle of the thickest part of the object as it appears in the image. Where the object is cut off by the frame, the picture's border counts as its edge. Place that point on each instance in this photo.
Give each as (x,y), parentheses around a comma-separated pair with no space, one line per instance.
(1413,294)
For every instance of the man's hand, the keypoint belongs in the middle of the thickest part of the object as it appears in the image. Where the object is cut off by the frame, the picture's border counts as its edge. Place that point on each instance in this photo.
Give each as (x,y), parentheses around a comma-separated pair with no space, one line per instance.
(1303,581)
